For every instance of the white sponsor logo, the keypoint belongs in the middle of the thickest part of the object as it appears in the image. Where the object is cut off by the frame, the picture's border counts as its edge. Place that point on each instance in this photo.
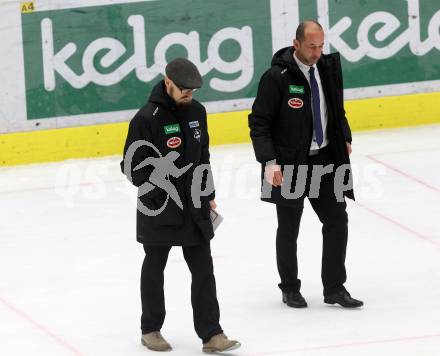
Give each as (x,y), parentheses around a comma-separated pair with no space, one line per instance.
(197,134)
(56,62)
(384,24)
(389,25)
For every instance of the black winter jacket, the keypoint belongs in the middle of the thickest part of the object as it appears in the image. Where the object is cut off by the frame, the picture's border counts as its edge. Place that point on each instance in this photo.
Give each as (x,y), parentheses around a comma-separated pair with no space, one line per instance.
(281,121)
(170,128)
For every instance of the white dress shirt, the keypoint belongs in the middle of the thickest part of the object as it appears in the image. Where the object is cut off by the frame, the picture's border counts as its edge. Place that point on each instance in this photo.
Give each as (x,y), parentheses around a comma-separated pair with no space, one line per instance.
(323,106)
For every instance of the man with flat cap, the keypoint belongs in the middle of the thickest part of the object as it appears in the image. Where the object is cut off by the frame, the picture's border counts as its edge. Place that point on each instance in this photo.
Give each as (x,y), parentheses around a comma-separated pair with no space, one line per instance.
(167,140)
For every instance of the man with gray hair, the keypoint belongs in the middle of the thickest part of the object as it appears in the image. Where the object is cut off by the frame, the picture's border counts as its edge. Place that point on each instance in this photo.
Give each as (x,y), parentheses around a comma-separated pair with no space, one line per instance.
(298,120)
(170,138)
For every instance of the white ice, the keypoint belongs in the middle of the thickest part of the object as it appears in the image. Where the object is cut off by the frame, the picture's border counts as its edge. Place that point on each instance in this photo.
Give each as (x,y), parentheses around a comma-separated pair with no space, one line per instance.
(70,264)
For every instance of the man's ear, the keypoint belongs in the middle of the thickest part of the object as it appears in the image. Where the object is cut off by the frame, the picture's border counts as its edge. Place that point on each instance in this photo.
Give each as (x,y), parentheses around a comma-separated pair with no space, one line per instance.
(296,44)
(167,81)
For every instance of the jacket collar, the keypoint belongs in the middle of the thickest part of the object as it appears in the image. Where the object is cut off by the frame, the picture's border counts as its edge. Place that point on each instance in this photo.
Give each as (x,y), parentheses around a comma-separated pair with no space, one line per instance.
(160,96)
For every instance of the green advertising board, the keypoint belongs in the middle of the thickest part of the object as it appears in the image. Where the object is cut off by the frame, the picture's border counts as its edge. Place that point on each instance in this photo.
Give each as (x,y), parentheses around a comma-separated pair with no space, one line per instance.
(96,59)
(386,42)
(107,58)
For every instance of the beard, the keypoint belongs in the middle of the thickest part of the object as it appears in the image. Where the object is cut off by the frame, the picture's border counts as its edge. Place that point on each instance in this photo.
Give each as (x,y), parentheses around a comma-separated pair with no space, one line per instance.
(184,101)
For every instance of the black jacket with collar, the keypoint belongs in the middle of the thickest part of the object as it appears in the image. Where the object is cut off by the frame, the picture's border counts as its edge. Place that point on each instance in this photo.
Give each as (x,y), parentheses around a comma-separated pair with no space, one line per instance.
(170,128)
(281,121)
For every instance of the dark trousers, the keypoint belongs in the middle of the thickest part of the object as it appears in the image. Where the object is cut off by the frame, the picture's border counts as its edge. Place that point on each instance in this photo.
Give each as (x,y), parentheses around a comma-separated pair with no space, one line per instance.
(332,214)
(206,313)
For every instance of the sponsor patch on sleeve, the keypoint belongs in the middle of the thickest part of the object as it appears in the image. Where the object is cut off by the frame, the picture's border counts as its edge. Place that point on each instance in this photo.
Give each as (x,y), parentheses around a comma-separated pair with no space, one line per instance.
(193,124)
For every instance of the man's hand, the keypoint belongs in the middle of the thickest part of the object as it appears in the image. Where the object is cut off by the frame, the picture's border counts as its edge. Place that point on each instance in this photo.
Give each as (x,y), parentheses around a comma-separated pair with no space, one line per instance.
(349,149)
(212,204)
(273,175)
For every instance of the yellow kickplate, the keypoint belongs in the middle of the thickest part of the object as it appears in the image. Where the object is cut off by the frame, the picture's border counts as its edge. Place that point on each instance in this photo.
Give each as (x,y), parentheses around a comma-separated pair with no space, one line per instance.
(224,128)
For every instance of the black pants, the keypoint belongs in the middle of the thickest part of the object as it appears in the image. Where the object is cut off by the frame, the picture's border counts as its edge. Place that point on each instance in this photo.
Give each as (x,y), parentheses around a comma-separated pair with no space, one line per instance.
(333,217)
(206,311)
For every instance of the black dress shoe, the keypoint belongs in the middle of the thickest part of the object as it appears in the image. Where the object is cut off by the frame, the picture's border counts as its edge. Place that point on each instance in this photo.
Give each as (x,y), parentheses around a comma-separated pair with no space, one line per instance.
(294,300)
(344,299)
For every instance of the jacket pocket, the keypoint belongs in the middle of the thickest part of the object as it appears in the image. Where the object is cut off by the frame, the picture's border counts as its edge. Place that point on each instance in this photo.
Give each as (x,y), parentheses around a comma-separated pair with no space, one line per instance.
(286,155)
(171,214)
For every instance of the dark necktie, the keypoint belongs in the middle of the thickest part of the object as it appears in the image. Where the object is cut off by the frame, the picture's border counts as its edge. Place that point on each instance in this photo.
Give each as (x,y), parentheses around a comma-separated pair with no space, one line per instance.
(316,107)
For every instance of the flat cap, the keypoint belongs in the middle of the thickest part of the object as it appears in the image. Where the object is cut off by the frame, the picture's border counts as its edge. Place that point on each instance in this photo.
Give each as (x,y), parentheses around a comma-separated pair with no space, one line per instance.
(184,73)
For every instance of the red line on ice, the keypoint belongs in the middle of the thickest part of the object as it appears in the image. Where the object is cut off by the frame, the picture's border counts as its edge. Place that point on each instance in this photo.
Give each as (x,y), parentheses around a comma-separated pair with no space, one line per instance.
(403,227)
(414,179)
(41,327)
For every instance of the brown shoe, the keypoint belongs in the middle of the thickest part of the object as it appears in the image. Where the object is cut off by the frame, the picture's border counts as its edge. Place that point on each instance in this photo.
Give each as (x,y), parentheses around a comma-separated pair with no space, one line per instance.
(219,343)
(155,341)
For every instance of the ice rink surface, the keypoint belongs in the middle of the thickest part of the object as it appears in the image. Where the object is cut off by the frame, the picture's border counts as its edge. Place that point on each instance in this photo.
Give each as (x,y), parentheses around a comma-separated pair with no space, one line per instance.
(70,264)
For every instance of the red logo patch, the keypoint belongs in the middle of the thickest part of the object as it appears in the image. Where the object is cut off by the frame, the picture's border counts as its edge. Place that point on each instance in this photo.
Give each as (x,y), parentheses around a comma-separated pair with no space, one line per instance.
(295,103)
(174,142)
